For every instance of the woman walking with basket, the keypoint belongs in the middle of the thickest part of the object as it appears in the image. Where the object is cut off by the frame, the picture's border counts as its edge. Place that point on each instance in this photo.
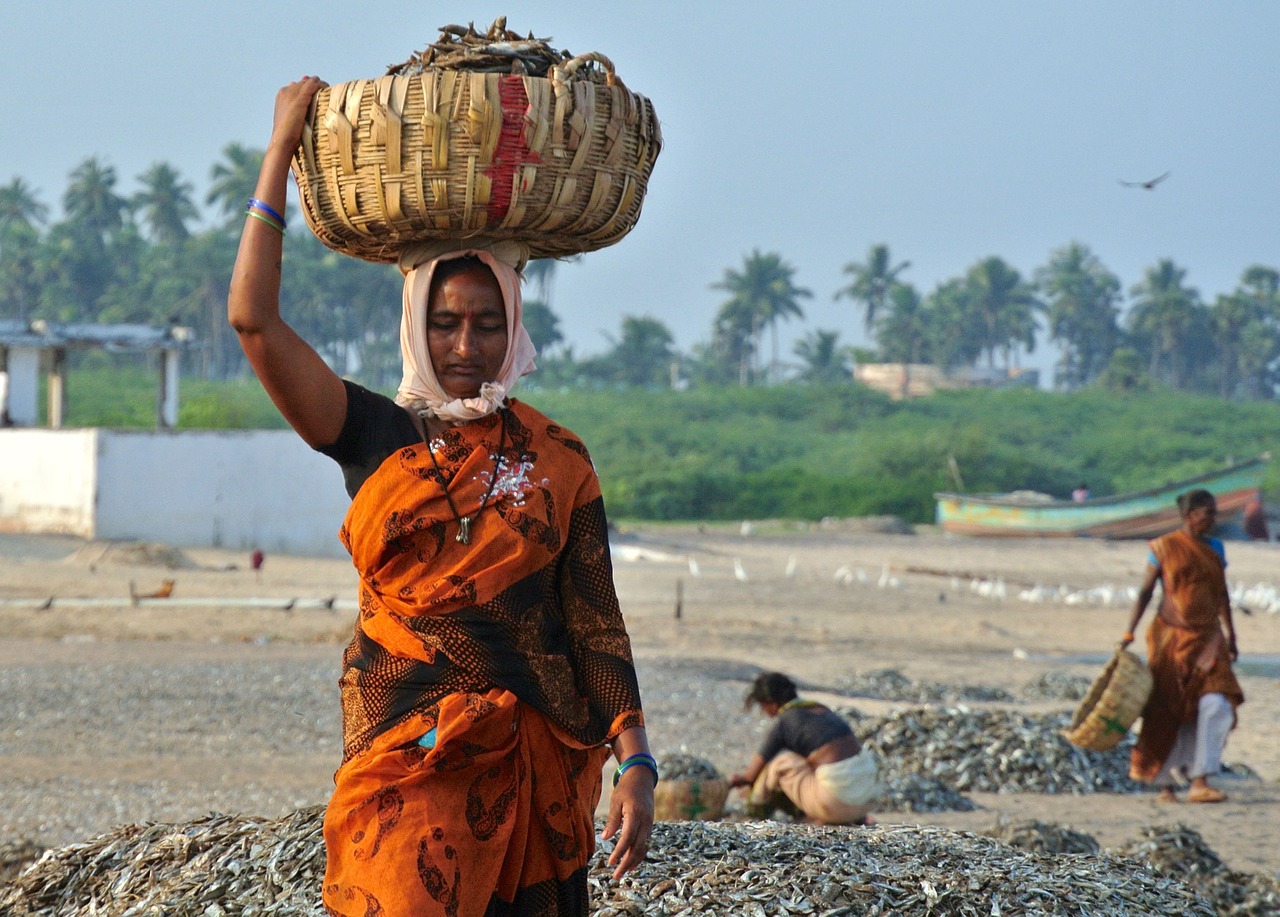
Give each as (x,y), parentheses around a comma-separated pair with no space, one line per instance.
(1191,644)
(490,668)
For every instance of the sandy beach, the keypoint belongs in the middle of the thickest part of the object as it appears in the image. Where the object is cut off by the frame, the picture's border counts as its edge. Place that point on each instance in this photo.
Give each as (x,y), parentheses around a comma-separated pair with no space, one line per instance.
(222,696)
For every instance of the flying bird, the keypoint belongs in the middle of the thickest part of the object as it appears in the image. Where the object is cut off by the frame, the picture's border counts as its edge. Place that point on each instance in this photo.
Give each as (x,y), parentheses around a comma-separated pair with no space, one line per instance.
(1149,185)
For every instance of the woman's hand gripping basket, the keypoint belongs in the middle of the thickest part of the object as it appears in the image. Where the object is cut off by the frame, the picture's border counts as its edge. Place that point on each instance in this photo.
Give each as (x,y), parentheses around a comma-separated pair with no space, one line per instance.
(691,789)
(479,138)
(1115,700)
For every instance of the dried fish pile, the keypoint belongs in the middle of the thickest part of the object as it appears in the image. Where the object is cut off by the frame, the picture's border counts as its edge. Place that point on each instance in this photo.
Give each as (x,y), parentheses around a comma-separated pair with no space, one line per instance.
(993,751)
(768,869)
(890,684)
(1039,837)
(230,865)
(214,866)
(1180,852)
(684,766)
(499,50)
(1057,686)
(15,855)
(918,793)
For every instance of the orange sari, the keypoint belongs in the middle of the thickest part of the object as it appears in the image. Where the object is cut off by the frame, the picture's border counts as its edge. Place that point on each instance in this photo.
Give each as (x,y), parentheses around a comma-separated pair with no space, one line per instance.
(1186,650)
(512,648)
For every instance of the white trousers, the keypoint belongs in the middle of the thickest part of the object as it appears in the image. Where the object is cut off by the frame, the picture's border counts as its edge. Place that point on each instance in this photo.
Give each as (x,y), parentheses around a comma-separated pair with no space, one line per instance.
(1197,752)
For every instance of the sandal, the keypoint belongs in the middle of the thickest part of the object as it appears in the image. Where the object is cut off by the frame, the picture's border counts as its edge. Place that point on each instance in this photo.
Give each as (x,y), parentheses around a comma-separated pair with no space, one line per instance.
(1206,794)
(1167,797)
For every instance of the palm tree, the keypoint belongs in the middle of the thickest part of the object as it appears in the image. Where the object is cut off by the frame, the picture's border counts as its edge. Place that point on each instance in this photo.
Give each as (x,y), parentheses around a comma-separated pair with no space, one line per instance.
(642,355)
(165,203)
(1167,314)
(903,330)
(91,201)
(824,360)
(542,324)
(1080,301)
(234,179)
(1246,326)
(763,292)
(1004,306)
(19,206)
(872,281)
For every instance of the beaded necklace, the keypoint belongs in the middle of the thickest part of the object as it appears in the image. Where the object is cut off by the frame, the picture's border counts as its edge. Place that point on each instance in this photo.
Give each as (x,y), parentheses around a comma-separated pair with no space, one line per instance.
(464,522)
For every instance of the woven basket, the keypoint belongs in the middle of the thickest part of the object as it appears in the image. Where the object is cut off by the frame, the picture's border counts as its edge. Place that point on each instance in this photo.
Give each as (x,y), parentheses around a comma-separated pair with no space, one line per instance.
(689,799)
(1115,700)
(560,162)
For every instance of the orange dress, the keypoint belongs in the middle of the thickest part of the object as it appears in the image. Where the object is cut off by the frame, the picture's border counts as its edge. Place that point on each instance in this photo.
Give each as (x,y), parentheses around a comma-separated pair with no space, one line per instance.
(1186,650)
(511,648)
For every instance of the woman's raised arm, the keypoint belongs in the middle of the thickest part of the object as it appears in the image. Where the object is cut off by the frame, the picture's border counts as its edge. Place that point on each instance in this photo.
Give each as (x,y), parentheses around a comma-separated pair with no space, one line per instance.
(303,387)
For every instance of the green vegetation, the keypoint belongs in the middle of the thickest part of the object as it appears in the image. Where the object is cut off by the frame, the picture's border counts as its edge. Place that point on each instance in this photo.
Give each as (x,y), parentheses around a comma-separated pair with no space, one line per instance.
(804,452)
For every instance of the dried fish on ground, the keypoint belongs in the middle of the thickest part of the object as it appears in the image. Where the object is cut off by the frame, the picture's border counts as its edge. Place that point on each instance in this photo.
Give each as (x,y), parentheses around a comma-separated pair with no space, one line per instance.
(993,751)
(1039,837)
(1057,686)
(890,684)
(16,855)
(1180,852)
(224,865)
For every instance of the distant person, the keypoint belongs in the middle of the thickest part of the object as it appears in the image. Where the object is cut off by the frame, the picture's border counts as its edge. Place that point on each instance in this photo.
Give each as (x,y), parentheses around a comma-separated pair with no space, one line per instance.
(1255,519)
(810,763)
(1191,644)
(1081,493)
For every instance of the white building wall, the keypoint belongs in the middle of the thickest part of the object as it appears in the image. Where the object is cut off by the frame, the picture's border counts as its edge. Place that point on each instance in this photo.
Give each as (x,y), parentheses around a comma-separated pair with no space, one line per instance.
(230,489)
(24,386)
(48,479)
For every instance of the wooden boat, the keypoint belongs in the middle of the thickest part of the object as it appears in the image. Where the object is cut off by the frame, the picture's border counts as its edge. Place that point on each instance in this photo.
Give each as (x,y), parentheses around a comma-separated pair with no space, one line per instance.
(1145,514)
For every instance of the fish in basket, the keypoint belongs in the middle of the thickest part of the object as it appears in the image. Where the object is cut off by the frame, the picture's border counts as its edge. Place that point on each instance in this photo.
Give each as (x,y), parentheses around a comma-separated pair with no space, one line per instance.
(483,138)
(691,789)
(1113,703)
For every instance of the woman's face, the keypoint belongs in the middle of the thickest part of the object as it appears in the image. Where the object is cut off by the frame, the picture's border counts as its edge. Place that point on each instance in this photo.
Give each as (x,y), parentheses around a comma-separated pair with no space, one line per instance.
(467,332)
(1202,519)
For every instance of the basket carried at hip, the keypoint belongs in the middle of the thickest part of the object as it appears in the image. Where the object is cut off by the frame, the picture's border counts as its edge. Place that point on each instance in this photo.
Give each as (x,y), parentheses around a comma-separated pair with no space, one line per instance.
(559,162)
(1115,700)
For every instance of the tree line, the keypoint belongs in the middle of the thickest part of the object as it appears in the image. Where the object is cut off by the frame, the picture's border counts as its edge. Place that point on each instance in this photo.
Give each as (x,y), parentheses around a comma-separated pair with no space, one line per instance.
(136,258)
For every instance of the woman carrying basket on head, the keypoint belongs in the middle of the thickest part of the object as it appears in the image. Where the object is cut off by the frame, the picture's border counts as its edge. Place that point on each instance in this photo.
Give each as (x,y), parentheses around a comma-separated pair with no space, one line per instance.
(490,668)
(1195,694)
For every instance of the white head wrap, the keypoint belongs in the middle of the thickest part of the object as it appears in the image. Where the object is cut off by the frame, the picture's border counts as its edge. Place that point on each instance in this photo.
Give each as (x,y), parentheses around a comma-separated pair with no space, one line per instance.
(420,390)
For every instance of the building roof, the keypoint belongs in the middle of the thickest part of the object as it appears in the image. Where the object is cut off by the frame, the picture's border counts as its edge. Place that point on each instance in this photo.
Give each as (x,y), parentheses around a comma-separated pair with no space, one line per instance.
(117,338)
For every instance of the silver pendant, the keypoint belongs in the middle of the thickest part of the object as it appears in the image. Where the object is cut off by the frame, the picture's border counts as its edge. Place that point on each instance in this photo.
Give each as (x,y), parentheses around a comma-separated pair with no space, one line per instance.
(464,530)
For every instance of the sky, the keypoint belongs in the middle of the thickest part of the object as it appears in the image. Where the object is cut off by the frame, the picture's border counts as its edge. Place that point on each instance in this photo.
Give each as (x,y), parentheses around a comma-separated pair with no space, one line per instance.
(949,131)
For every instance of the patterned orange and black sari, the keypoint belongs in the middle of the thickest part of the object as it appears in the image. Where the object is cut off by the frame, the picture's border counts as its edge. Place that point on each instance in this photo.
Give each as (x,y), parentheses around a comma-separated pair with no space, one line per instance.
(509,653)
(1186,650)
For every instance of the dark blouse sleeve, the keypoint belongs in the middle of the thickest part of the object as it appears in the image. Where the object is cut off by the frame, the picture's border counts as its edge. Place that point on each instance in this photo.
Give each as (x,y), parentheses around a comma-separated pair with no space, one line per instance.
(375,427)
(598,643)
(774,740)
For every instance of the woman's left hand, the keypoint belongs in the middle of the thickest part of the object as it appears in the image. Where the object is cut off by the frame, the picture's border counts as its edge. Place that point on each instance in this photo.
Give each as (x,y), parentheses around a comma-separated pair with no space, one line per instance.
(631,809)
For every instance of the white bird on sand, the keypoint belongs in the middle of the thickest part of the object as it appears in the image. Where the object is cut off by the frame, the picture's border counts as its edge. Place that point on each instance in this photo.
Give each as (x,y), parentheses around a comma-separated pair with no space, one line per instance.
(842,573)
(739,573)
(746,527)
(694,570)
(791,566)
(862,576)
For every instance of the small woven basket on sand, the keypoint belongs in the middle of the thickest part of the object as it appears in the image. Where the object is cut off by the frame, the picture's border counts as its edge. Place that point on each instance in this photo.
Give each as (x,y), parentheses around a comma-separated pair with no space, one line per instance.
(690,799)
(558,162)
(1115,700)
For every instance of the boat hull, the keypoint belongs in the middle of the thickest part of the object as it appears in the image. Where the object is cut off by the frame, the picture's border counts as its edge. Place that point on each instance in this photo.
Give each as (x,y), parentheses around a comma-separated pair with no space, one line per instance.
(1146,514)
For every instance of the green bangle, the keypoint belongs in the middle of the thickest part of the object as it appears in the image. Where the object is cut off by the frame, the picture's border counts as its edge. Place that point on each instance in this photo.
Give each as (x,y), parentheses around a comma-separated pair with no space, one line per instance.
(270,222)
(637,760)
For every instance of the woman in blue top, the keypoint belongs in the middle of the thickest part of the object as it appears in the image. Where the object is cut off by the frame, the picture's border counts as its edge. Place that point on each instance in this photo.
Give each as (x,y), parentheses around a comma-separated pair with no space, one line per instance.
(1191,645)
